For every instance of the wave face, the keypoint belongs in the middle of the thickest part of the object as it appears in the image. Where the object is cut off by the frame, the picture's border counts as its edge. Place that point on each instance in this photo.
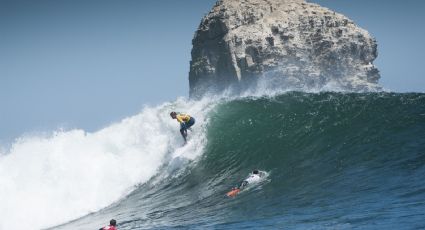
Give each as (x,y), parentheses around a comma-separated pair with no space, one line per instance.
(334,161)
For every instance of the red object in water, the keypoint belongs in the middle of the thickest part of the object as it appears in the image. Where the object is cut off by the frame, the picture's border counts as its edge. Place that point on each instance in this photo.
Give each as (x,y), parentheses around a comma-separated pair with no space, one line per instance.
(110,227)
(233,192)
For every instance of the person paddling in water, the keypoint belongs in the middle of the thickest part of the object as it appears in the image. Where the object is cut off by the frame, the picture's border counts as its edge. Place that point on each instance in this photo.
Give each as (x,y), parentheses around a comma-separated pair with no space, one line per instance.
(112,225)
(185,120)
(254,177)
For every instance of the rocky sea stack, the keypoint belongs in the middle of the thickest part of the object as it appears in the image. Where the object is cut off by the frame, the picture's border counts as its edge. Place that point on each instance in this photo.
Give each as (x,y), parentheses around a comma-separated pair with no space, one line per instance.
(289,44)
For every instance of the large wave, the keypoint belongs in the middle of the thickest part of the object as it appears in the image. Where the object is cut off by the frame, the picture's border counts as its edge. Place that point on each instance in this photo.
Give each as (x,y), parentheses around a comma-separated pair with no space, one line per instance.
(335,161)
(50,179)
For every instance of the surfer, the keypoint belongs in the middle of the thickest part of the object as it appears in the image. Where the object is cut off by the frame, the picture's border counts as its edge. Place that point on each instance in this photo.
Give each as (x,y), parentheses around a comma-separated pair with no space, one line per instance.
(254,177)
(112,225)
(185,120)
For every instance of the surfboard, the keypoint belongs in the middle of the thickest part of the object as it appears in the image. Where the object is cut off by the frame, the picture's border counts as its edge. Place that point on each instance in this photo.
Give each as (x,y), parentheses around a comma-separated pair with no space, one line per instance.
(233,192)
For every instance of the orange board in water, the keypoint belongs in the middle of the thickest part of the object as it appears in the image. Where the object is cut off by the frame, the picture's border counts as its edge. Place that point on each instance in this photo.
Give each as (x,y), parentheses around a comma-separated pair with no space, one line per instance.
(233,192)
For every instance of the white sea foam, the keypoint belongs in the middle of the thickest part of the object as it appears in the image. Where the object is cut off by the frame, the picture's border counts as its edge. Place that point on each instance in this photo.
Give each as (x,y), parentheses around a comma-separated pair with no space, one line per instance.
(48,180)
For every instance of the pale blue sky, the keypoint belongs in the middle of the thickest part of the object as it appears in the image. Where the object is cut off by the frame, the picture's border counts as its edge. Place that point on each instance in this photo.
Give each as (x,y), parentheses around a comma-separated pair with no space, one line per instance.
(85,64)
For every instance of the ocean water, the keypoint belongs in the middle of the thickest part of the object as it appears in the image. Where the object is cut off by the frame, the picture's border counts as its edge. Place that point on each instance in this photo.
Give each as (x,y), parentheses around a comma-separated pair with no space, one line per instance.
(334,161)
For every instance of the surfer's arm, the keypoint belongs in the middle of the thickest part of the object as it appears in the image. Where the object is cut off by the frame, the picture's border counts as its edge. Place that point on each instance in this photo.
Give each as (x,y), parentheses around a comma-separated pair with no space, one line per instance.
(243,184)
(182,125)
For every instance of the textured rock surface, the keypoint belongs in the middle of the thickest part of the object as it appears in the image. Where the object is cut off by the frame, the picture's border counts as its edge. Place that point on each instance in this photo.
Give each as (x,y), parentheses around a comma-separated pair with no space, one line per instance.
(290,43)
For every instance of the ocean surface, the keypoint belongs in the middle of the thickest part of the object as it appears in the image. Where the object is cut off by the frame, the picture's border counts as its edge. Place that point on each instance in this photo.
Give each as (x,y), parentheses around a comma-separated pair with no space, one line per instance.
(334,161)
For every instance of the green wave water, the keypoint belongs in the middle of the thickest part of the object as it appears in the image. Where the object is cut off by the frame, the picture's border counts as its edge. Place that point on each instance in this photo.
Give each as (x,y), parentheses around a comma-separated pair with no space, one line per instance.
(335,161)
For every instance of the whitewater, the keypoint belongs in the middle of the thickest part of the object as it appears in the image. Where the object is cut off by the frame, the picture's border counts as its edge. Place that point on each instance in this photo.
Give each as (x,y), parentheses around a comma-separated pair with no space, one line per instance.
(336,160)
(49,179)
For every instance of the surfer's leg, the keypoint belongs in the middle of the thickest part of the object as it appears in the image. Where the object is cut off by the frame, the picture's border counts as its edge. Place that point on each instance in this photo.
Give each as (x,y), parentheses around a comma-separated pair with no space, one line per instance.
(190,122)
(183,133)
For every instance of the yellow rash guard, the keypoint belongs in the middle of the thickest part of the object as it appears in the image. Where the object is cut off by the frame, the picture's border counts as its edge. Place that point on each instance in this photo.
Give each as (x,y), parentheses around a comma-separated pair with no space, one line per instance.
(181,118)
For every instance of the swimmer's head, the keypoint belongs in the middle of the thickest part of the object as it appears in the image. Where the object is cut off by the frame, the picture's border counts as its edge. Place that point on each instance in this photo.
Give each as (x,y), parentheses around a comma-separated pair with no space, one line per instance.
(255,171)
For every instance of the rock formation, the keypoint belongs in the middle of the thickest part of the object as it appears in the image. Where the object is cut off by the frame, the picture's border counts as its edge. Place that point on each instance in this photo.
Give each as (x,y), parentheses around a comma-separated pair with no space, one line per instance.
(289,43)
